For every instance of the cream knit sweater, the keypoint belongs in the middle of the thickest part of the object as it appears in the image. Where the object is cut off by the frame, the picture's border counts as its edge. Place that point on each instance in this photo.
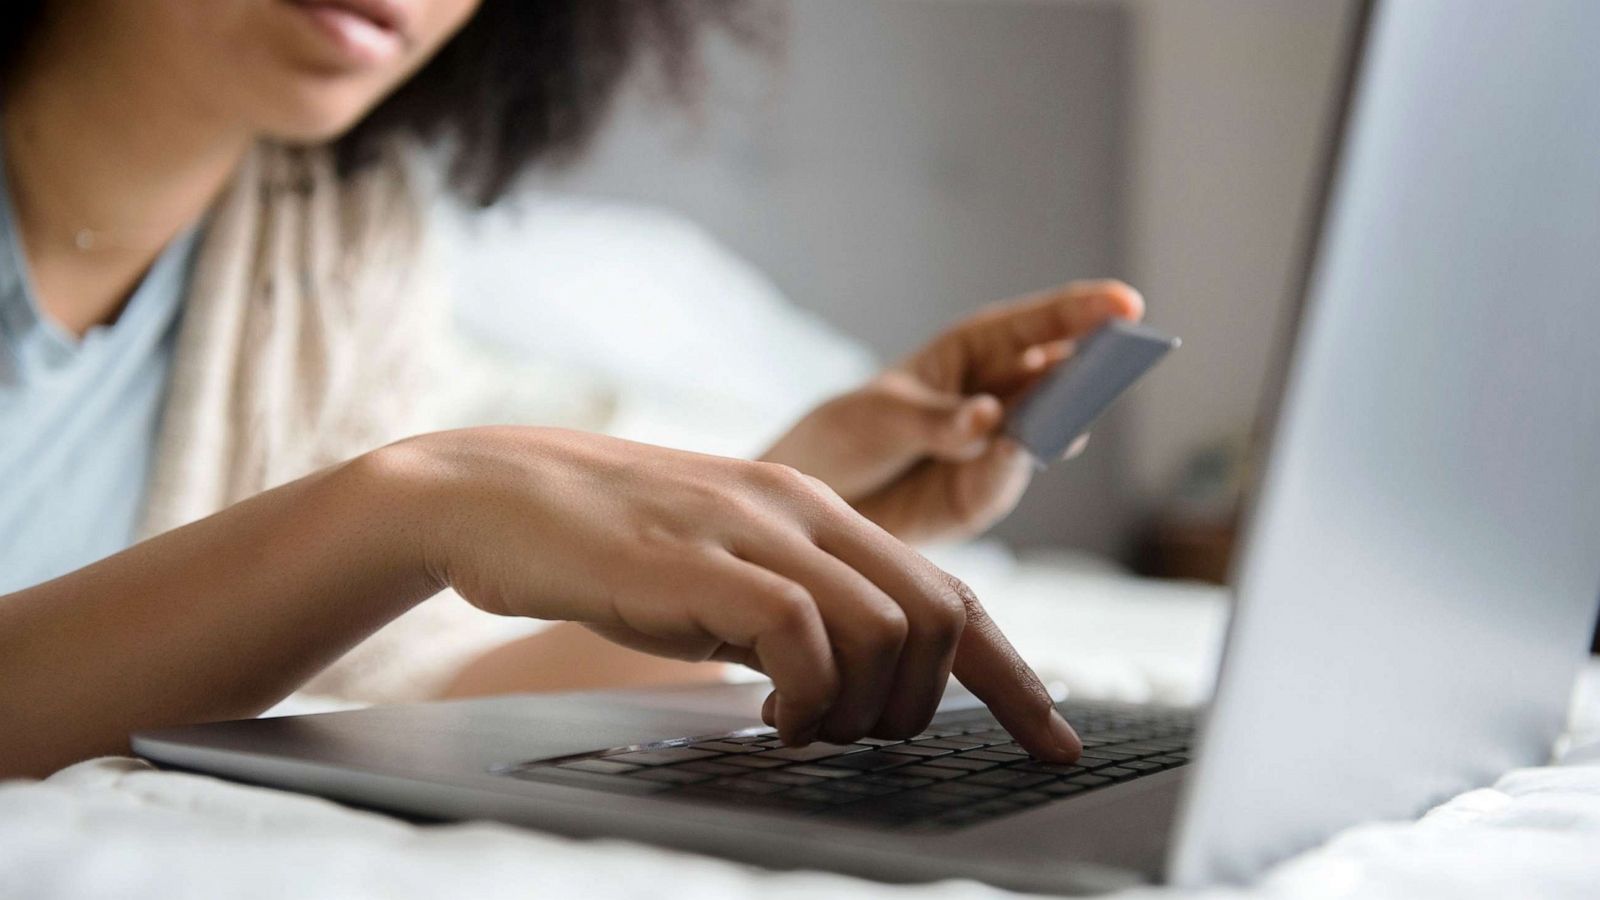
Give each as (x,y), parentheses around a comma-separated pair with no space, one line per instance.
(309,335)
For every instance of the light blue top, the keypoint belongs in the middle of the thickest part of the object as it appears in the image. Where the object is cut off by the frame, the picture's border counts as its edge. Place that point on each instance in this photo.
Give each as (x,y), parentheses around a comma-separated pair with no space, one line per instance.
(78,419)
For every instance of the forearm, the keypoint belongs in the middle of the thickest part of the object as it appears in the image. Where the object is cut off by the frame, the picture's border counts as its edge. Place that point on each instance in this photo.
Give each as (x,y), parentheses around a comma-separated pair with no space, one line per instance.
(219,619)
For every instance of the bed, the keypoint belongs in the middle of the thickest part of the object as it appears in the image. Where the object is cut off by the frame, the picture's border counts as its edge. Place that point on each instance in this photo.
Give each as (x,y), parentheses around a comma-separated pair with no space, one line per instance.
(120,828)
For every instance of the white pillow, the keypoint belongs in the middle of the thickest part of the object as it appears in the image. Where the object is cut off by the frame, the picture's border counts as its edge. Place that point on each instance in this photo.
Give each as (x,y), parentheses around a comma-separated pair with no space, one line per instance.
(702,350)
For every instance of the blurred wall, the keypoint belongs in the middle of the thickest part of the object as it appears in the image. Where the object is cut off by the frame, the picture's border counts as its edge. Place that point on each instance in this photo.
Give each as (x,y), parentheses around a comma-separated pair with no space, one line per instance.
(901,163)
(904,161)
(1230,103)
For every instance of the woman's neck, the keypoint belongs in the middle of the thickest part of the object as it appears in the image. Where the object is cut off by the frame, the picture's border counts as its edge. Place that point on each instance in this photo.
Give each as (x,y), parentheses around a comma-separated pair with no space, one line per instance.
(108,161)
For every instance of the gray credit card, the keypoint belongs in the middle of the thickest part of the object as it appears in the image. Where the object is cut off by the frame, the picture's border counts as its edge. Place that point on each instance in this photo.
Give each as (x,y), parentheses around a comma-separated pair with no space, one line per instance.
(1072,395)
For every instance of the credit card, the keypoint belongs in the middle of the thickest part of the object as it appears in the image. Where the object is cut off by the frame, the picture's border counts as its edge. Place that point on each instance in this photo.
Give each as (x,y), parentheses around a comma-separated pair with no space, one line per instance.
(1068,399)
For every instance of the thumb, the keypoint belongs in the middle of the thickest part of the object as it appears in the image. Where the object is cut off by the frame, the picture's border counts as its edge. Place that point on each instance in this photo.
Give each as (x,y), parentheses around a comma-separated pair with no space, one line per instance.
(967,433)
(951,427)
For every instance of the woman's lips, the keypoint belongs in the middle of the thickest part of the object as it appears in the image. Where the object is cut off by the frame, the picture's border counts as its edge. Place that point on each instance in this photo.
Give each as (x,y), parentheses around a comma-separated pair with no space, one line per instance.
(364,32)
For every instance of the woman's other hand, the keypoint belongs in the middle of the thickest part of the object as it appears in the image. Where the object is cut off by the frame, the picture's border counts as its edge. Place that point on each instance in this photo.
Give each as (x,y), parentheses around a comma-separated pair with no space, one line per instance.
(918,450)
(700,557)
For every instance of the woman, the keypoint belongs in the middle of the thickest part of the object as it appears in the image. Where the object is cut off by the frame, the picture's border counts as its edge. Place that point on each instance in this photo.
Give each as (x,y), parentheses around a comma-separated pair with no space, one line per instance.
(211,287)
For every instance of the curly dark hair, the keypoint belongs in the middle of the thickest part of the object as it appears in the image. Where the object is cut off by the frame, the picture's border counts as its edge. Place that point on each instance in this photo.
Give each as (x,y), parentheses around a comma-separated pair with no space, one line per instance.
(523,81)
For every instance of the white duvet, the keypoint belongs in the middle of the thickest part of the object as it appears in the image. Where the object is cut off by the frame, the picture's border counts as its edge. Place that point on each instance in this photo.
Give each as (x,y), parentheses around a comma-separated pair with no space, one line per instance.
(116,828)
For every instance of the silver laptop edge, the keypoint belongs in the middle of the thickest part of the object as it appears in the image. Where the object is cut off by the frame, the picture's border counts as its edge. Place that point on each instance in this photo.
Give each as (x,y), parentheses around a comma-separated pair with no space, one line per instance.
(1425,558)
(1422,564)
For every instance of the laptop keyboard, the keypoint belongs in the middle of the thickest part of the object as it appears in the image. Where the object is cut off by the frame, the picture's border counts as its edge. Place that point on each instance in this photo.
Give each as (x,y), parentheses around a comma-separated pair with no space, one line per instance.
(962,770)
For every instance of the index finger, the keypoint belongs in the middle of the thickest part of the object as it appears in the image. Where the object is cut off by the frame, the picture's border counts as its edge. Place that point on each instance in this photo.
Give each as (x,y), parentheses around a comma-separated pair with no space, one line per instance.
(1054,315)
(990,667)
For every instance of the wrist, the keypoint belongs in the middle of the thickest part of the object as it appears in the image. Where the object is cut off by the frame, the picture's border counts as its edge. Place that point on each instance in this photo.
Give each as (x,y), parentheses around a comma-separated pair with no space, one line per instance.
(396,502)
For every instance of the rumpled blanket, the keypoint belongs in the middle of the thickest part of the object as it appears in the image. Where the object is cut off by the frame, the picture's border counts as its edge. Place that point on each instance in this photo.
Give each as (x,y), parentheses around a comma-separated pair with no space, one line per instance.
(118,828)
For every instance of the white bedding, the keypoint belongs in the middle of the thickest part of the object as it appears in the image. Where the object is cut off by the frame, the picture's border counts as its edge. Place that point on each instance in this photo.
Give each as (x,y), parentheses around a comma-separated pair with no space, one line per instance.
(116,828)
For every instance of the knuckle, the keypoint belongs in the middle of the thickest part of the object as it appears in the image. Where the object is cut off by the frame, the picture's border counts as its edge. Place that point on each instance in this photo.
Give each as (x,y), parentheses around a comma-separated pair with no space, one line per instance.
(787,606)
(956,605)
(809,497)
(959,597)
(883,626)
(816,487)
(737,505)
(786,480)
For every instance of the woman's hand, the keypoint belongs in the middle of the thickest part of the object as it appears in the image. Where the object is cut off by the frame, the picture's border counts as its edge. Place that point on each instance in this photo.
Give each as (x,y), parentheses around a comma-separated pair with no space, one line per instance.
(918,450)
(700,557)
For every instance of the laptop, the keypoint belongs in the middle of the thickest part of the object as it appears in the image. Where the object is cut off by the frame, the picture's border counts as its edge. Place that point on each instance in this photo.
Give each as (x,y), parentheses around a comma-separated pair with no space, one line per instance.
(1416,591)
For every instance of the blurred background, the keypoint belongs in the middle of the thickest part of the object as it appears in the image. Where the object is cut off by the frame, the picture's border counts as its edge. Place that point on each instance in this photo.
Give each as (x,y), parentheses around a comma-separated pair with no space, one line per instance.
(880,168)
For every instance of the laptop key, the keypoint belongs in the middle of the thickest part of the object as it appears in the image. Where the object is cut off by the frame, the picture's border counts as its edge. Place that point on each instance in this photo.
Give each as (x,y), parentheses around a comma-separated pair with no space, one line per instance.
(1109,753)
(870,761)
(1090,762)
(1142,748)
(812,752)
(918,750)
(1117,772)
(894,779)
(1139,765)
(1008,778)
(1061,788)
(1043,768)
(821,771)
(753,761)
(935,772)
(990,756)
(671,775)
(1088,780)
(784,776)
(957,762)
(952,744)
(710,768)
(726,747)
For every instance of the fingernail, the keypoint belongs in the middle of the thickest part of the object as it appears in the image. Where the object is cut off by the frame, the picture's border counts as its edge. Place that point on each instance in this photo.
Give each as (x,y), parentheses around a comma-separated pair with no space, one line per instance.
(966,419)
(1065,738)
(970,418)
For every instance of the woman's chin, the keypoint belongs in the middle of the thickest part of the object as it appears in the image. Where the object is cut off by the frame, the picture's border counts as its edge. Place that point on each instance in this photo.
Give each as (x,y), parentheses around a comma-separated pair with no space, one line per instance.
(314,124)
